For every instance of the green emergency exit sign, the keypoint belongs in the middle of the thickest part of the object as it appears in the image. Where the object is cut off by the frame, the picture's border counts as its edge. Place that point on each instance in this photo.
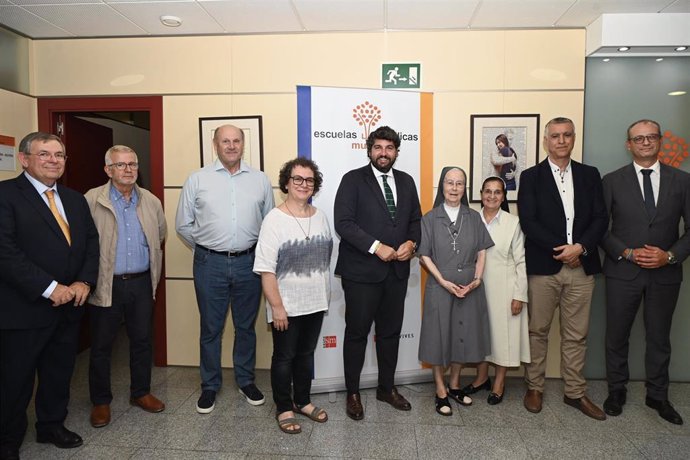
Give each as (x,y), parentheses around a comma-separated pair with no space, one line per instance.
(401,76)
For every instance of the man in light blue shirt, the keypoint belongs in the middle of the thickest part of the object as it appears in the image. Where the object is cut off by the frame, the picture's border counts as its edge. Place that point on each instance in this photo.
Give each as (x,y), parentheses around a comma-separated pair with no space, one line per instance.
(219,215)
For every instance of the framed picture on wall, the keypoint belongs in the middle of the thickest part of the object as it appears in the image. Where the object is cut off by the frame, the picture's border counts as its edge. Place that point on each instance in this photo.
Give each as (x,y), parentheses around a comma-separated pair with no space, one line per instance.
(252,128)
(504,146)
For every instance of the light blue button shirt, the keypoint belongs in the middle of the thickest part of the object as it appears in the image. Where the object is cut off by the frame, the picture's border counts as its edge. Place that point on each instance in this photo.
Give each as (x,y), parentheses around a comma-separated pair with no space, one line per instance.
(223,211)
(132,250)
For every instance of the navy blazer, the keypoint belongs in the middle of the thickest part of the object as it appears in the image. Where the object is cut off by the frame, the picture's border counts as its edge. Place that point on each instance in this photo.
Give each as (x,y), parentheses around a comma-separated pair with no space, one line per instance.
(543,220)
(361,217)
(34,252)
(632,228)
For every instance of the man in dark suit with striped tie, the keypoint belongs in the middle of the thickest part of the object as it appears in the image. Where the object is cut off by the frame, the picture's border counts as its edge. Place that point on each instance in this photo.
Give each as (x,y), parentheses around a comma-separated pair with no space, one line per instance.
(378,218)
(48,263)
(644,257)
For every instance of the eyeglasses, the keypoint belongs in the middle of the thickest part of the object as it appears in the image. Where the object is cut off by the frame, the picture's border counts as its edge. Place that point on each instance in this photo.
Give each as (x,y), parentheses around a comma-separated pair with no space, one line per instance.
(45,156)
(451,183)
(122,165)
(299,180)
(651,138)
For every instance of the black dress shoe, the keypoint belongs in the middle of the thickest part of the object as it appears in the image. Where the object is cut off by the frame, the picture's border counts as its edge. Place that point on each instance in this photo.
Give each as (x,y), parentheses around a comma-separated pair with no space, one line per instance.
(470,390)
(61,437)
(615,402)
(393,398)
(665,410)
(494,399)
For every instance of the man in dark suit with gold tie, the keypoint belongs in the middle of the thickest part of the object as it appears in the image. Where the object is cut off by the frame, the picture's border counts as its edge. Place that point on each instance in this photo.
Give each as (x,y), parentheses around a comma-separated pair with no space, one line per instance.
(644,256)
(48,263)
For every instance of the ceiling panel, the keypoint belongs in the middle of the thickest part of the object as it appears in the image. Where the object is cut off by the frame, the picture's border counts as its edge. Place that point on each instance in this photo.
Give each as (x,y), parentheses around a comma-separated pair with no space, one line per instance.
(195,20)
(337,15)
(431,14)
(524,13)
(241,16)
(87,20)
(29,24)
(587,11)
(53,2)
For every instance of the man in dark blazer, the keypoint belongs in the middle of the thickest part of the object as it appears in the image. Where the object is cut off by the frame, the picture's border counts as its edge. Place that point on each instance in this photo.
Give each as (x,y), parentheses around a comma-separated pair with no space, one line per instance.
(377,215)
(644,256)
(48,263)
(563,216)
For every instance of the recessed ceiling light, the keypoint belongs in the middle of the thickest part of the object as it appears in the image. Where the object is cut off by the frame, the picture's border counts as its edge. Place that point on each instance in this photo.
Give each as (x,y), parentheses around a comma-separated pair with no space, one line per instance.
(606,59)
(171,21)
(681,48)
(677,93)
(659,59)
(624,48)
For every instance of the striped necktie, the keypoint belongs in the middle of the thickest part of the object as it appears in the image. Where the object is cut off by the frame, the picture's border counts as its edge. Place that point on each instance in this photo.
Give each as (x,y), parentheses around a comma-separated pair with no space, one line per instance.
(61,222)
(390,201)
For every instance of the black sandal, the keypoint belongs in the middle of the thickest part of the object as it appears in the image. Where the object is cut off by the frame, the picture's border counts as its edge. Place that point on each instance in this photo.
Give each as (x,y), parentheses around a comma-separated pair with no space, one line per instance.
(443,403)
(459,397)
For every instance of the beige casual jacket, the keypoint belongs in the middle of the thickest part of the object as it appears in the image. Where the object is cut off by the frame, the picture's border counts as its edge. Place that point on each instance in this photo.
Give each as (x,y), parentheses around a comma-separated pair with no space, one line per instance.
(150,213)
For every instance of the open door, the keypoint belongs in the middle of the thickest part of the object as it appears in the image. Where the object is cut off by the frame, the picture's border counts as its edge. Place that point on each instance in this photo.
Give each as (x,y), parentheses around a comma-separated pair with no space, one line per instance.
(49,111)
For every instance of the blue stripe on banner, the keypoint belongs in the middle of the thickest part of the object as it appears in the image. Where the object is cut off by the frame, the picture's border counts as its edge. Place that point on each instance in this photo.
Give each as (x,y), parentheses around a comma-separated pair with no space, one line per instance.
(304,121)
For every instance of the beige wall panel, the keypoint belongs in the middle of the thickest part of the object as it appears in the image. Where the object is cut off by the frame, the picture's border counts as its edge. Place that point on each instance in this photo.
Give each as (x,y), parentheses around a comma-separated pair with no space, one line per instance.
(549,105)
(181,132)
(459,60)
(178,257)
(545,59)
(17,119)
(279,112)
(132,66)
(183,329)
(271,63)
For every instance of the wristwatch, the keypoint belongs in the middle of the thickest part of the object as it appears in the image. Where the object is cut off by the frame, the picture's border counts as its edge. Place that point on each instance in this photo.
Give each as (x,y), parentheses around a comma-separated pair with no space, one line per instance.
(671,258)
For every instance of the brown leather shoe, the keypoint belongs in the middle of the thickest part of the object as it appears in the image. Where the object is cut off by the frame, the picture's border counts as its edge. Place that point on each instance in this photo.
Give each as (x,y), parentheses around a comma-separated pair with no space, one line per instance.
(149,403)
(354,407)
(393,398)
(100,415)
(585,406)
(533,401)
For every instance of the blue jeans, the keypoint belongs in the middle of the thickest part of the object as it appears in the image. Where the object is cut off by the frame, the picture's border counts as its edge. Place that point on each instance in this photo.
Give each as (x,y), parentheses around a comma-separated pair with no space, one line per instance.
(221,281)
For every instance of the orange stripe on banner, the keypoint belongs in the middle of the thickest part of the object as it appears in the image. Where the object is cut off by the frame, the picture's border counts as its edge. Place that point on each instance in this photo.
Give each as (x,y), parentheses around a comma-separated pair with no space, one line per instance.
(426,167)
(7,140)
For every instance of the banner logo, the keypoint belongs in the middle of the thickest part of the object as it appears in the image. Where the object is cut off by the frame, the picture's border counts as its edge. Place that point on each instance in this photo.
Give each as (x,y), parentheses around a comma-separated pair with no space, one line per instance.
(329,341)
(366,115)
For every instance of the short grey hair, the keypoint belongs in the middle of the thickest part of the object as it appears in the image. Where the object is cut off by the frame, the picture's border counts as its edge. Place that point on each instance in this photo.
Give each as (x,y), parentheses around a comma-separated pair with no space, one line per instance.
(29,139)
(117,148)
(558,121)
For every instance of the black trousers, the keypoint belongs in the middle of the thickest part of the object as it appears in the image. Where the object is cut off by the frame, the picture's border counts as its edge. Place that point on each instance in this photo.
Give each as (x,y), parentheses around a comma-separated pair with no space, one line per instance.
(623,300)
(48,353)
(366,303)
(133,301)
(293,360)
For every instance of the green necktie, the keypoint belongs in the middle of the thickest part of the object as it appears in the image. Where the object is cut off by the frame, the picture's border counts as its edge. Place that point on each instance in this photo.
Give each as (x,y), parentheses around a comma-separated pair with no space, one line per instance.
(390,201)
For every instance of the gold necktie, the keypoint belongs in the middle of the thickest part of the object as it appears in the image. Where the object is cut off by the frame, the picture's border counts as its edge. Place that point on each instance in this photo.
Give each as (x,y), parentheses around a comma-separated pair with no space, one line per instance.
(61,222)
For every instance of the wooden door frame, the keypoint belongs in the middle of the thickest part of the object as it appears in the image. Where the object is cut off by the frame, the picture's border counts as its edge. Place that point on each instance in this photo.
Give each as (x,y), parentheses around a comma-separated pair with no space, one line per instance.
(49,107)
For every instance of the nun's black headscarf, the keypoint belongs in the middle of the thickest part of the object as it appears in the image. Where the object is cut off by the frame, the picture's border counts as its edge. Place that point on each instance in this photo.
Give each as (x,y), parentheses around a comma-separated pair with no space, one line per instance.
(439,192)
(504,204)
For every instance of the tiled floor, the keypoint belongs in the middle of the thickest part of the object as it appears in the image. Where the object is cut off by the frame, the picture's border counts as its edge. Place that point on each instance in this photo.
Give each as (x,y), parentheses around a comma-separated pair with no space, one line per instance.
(237,430)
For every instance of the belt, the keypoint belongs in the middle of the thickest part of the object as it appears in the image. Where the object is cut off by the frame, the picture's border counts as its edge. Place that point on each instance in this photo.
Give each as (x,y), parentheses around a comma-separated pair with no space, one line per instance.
(227,253)
(130,276)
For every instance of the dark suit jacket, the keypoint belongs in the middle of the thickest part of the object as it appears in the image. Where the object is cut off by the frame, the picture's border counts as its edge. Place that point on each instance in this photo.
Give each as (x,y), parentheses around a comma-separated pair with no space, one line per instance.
(631,228)
(543,220)
(361,217)
(34,252)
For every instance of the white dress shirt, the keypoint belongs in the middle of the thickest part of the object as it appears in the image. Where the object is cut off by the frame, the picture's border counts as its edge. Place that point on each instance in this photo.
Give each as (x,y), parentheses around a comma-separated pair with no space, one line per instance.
(654,176)
(564,184)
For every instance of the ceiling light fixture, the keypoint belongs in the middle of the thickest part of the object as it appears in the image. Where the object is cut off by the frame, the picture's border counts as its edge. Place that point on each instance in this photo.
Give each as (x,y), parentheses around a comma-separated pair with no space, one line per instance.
(659,59)
(606,59)
(681,48)
(171,21)
(624,48)
(677,93)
